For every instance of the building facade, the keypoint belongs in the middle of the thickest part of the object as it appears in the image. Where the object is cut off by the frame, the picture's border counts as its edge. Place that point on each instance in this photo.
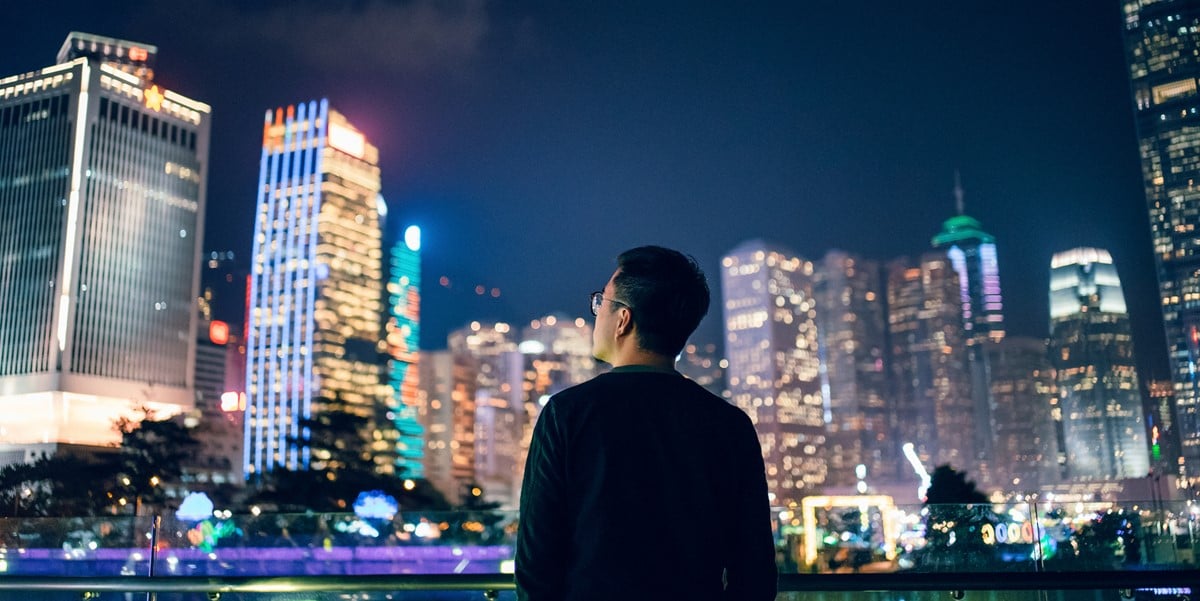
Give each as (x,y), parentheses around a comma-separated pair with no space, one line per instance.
(854,378)
(316,289)
(934,409)
(102,196)
(770,314)
(403,342)
(495,435)
(1160,38)
(1091,347)
(1024,390)
(702,364)
(447,413)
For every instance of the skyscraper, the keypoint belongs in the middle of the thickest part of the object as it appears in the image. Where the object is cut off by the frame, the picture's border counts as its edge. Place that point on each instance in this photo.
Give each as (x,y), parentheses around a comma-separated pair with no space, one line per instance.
(102,189)
(316,287)
(854,379)
(1024,390)
(403,342)
(493,415)
(1092,350)
(1163,69)
(701,364)
(972,252)
(447,411)
(770,317)
(933,406)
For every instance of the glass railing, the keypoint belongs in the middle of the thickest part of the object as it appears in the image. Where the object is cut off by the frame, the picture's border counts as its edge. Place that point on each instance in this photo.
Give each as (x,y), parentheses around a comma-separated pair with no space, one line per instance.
(869,535)
(827,547)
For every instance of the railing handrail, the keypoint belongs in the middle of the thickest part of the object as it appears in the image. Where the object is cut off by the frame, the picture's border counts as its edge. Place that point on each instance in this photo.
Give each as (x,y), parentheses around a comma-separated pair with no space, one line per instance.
(896,581)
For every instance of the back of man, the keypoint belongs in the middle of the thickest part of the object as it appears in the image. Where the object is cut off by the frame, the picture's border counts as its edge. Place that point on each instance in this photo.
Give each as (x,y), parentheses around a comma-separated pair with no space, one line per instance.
(642,485)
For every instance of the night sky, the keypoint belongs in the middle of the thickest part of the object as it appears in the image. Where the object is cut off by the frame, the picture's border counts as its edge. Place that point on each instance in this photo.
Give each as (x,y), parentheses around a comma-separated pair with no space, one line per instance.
(535,141)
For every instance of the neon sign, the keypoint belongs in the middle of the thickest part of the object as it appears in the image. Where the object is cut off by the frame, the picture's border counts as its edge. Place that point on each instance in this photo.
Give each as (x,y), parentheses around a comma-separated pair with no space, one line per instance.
(218,332)
(347,140)
(1010,534)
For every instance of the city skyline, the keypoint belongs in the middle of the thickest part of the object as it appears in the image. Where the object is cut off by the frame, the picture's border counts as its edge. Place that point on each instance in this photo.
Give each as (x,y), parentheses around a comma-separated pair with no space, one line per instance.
(763,117)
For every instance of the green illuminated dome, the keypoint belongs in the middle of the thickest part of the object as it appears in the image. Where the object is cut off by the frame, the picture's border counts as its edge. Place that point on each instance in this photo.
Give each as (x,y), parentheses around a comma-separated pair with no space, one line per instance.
(961,228)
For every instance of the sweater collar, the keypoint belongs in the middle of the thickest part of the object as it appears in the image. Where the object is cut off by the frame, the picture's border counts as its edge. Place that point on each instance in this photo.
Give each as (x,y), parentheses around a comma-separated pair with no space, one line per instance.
(627,369)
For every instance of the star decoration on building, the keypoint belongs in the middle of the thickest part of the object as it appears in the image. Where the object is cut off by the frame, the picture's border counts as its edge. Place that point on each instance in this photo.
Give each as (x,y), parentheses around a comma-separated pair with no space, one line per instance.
(154,99)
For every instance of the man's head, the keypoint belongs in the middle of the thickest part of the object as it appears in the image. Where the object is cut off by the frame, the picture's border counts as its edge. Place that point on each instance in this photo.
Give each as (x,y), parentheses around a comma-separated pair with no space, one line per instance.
(652,303)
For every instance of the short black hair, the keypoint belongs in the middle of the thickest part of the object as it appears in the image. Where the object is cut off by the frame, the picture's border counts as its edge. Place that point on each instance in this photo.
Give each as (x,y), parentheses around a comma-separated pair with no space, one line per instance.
(667,295)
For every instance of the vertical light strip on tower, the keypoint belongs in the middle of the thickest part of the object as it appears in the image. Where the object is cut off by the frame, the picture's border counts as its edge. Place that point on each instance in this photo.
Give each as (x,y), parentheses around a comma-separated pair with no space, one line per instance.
(255,345)
(320,129)
(404,301)
(64,298)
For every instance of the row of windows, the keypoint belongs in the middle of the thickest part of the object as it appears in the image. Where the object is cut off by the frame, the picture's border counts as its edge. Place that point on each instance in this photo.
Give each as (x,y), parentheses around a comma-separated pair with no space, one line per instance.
(42,108)
(148,124)
(34,159)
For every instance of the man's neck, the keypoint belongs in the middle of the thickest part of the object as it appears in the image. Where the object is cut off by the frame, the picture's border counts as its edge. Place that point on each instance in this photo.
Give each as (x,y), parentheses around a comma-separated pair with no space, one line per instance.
(646,359)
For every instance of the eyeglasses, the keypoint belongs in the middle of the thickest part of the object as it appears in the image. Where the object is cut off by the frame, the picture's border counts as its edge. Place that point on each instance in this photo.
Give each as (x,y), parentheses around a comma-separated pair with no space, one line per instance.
(598,301)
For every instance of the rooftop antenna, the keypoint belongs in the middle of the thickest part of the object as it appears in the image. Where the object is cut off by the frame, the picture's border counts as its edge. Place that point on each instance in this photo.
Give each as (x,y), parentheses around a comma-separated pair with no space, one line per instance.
(958,193)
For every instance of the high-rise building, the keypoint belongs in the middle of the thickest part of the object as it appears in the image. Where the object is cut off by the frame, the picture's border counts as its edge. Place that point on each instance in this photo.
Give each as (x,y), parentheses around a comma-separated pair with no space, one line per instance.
(854,379)
(770,317)
(1025,391)
(216,420)
(701,364)
(222,289)
(495,432)
(1163,70)
(316,289)
(403,342)
(1091,347)
(972,252)
(933,405)
(447,412)
(1161,429)
(561,335)
(102,192)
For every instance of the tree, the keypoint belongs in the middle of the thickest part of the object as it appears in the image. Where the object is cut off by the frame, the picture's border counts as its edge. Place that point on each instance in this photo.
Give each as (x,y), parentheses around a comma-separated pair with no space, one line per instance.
(956,512)
(152,452)
(58,486)
(339,442)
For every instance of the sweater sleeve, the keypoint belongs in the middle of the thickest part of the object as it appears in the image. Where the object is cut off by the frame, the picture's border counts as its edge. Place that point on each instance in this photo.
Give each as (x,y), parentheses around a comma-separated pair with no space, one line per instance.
(750,561)
(544,529)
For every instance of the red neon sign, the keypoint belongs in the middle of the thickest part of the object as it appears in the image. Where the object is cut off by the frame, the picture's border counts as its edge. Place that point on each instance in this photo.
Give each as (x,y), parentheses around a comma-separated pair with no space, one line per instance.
(218,332)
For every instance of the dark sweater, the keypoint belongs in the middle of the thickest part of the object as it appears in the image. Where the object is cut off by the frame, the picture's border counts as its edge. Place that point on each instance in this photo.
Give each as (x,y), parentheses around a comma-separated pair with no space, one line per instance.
(640,484)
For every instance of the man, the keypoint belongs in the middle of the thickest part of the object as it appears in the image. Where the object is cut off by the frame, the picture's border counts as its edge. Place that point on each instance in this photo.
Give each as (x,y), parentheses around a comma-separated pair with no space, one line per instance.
(640,484)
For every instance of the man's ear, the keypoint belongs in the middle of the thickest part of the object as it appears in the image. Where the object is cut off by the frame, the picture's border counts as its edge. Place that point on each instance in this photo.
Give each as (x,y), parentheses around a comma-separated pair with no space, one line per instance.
(624,322)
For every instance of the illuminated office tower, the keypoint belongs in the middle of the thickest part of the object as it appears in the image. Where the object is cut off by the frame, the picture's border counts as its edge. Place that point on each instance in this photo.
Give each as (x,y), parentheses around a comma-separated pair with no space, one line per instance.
(316,289)
(102,189)
(701,364)
(499,375)
(972,251)
(771,345)
(1025,391)
(1161,429)
(216,421)
(932,395)
(487,344)
(568,337)
(447,413)
(1160,38)
(1092,350)
(499,461)
(403,339)
(854,381)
